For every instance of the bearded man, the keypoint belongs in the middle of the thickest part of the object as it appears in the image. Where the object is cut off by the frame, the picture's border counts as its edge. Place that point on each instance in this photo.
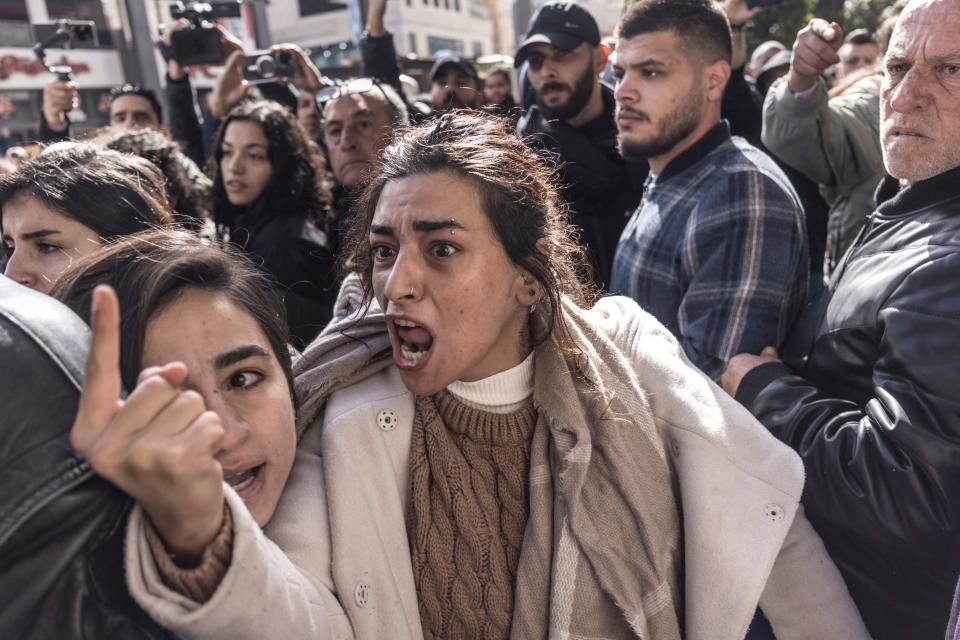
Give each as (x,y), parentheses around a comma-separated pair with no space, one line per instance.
(717,250)
(573,118)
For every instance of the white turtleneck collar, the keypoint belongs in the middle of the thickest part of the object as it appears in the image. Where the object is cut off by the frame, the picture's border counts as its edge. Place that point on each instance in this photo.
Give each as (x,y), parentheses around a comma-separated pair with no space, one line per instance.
(503,392)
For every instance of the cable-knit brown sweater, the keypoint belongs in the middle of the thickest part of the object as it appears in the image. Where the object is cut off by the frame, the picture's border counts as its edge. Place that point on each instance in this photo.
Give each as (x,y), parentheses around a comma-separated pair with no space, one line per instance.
(467,514)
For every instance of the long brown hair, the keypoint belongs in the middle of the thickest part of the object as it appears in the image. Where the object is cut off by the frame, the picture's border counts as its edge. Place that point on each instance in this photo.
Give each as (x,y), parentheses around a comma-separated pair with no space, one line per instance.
(520,198)
(148,270)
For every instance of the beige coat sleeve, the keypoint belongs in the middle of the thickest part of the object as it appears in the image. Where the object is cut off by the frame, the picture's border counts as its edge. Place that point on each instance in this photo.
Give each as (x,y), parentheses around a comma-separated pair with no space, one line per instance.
(274,588)
(805,597)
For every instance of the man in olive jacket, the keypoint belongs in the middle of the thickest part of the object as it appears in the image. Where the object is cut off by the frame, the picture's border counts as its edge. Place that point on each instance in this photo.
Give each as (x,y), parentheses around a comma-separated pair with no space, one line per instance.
(834,142)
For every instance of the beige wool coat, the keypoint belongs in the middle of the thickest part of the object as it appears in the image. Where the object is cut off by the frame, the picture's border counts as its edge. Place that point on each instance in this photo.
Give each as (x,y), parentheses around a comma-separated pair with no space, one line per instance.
(335,560)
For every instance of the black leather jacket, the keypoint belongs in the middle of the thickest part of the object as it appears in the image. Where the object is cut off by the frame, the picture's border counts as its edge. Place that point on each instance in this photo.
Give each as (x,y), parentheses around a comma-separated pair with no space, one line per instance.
(61,528)
(876,413)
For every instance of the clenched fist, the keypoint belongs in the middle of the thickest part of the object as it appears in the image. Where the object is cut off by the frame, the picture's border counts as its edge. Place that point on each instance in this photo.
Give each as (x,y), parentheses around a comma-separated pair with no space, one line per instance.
(814,51)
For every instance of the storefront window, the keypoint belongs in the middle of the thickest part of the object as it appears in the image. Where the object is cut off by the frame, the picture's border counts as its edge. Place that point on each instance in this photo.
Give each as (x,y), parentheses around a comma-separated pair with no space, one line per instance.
(78,10)
(15,24)
(19,111)
(14,10)
(437,43)
(104,13)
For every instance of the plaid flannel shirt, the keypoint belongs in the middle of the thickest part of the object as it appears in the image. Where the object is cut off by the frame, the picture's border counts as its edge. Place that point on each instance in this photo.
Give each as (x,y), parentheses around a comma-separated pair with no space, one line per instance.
(717,251)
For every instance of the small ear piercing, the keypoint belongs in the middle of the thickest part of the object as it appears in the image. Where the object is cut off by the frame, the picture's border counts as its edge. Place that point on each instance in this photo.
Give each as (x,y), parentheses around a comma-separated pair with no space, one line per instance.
(532,292)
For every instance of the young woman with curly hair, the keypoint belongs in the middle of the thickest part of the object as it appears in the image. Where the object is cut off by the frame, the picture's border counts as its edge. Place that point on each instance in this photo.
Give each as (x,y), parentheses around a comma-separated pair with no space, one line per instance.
(267,199)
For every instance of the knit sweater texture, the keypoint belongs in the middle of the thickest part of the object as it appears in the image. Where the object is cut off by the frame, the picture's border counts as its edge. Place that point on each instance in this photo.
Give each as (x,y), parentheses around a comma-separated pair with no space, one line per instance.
(467,514)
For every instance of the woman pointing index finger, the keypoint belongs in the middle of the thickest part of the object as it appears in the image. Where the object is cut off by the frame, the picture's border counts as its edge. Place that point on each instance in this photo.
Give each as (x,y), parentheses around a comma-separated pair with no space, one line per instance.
(208,406)
(158,445)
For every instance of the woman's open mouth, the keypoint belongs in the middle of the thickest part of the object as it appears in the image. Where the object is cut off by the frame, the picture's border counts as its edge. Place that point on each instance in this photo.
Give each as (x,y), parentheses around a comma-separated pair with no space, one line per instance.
(248,482)
(412,343)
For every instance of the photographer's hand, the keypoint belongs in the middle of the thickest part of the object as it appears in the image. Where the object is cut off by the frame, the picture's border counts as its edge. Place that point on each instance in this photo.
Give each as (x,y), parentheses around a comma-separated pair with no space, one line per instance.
(59,97)
(159,445)
(230,42)
(307,77)
(229,87)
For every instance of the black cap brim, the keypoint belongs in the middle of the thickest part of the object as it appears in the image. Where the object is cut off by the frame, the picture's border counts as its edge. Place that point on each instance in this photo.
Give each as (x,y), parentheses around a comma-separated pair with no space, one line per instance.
(462,65)
(563,41)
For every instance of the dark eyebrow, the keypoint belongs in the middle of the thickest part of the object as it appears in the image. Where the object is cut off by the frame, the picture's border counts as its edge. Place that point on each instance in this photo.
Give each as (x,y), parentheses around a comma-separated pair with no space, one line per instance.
(239,354)
(649,62)
(427,226)
(353,114)
(420,226)
(39,233)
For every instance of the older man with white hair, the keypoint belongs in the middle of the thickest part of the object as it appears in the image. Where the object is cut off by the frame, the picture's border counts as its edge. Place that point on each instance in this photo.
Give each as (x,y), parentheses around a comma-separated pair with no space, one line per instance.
(874,410)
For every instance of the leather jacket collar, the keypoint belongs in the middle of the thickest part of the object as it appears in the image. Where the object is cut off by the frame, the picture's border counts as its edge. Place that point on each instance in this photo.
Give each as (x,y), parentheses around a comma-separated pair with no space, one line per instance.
(919,195)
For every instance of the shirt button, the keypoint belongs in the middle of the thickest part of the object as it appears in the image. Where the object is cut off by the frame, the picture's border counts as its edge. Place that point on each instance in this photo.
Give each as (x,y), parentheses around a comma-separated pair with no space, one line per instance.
(361,595)
(773,512)
(387,420)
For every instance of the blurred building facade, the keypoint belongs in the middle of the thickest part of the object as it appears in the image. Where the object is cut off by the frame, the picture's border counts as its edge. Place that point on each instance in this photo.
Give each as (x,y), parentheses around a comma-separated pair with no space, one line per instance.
(128,29)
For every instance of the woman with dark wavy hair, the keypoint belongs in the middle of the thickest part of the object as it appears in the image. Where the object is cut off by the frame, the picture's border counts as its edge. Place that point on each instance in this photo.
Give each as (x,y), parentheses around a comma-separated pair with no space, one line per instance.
(267,199)
(490,453)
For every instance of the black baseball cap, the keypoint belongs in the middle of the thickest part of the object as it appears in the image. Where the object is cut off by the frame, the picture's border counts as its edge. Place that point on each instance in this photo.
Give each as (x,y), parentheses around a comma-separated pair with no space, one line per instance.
(562,24)
(461,63)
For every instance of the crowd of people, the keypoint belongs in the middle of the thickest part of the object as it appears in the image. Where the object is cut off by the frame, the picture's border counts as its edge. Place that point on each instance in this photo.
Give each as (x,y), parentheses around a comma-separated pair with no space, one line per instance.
(643,337)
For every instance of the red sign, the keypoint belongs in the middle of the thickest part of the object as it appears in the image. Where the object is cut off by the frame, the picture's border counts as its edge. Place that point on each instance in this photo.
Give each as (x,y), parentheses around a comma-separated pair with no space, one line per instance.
(32,66)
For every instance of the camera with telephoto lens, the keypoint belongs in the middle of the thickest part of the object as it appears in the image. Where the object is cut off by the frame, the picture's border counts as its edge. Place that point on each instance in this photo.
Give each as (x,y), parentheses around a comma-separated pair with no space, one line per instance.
(200,42)
(267,66)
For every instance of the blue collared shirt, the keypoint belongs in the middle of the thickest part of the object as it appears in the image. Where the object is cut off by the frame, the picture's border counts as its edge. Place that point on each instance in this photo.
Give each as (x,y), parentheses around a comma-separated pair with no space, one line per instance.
(717,251)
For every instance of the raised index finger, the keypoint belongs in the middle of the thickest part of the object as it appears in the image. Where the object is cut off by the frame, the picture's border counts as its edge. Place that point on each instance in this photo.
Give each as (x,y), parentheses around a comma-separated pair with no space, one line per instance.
(101,384)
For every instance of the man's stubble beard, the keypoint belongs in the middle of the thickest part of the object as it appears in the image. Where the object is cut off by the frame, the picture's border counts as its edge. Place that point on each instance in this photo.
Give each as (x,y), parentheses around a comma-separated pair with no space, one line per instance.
(673,128)
(580,96)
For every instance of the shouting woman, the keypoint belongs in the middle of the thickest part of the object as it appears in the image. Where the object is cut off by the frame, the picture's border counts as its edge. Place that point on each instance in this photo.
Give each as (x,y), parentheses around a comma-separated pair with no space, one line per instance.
(489,453)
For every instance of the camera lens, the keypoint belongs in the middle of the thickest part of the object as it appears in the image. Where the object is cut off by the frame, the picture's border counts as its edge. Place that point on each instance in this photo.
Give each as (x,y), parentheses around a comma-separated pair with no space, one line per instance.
(266,66)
